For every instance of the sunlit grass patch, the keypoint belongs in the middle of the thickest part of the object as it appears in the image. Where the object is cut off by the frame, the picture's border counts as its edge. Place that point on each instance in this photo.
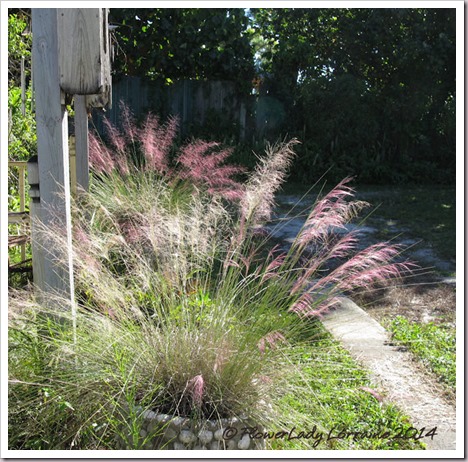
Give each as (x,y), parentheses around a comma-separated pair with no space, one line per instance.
(434,345)
(340,408)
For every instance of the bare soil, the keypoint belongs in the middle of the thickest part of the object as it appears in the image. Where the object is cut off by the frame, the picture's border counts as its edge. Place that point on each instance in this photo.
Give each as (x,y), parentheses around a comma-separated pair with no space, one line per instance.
(419,301)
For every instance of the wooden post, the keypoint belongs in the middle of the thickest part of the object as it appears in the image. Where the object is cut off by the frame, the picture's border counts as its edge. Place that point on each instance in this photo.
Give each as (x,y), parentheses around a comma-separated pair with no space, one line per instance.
(53,269)
(84,62)
(81,143)
(83,50)
(34,215)
(22,194)
(72,150)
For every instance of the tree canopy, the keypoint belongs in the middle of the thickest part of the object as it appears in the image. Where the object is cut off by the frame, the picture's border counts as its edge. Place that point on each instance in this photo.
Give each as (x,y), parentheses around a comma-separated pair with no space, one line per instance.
(367,91)
(372,89)
(176,43)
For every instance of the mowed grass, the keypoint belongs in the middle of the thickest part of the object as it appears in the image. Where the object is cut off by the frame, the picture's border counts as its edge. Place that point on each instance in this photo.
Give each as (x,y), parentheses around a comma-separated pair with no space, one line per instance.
(340,407)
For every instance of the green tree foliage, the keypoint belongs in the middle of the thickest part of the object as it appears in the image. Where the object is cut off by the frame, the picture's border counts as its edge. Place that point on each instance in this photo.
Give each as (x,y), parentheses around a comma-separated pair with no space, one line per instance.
(174,43)
(22,142)
(19,44)
(369,91)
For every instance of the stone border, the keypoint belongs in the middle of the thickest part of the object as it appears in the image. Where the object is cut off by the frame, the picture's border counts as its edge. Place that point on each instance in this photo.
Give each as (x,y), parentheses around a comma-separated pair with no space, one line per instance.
(162,431)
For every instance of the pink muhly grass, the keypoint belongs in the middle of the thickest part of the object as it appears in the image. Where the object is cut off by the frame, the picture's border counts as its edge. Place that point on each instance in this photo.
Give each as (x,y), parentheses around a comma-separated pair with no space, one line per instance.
(341,249)
(134,230)
(258,201)
(367,268)
(156,141)
(196,388)
(275,262)
(370,266)
(332,211)
(81,235)
(372,257)
(100,157)
(84,250)
(271,339)
(103,160)
(122,164)
(116,139)
(128,122)
(202,164)
(246,260)
(119,142)
(344,246)
(307,306)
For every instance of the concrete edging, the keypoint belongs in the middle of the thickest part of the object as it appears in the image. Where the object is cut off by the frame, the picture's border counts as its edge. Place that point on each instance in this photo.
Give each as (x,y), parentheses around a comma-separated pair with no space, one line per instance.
(404,384)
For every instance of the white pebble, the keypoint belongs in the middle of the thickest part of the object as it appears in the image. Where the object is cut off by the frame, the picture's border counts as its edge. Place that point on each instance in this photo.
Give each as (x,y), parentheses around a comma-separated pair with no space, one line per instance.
(143,433)
(244,443)
(215,445)
(179,446)
(154,428)
(205,436)
(178,422)
(149,415)
(231,445)
(162,418)
(187,437)
(170,434)
(218,434)
(199,448)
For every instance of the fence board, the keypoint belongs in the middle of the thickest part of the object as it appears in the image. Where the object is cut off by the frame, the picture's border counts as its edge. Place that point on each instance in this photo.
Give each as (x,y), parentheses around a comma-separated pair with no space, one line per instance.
(193,101)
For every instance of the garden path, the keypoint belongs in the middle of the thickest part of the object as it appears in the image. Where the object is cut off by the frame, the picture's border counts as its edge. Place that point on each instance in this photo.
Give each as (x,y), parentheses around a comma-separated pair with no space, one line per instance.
(399,379)
(288,223)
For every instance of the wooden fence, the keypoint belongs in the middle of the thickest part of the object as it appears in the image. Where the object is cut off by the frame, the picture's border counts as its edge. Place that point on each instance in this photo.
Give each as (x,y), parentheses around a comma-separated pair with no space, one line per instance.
(196,103)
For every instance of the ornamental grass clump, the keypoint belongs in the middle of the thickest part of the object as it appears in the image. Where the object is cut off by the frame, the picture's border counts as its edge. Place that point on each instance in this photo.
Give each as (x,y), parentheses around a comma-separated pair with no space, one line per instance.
(183,307)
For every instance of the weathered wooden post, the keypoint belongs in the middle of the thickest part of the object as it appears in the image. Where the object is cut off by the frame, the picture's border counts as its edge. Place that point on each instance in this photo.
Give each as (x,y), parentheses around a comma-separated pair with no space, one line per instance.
(84,53)
(70,56)
(81,143)
(52,267)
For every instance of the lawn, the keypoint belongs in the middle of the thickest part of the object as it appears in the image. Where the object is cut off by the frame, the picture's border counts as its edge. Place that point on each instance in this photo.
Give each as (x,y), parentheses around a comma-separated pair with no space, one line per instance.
(341,400)
(433,344)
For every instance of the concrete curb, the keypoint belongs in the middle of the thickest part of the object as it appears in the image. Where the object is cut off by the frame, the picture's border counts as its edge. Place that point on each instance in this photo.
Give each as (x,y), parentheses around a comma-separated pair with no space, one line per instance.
(405,385)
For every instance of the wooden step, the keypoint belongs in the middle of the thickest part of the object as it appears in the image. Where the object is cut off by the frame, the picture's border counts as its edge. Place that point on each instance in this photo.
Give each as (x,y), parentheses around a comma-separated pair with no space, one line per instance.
(17,240)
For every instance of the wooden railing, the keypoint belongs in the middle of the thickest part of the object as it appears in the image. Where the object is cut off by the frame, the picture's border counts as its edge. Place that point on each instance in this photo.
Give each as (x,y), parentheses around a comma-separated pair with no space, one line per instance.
(20,218)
